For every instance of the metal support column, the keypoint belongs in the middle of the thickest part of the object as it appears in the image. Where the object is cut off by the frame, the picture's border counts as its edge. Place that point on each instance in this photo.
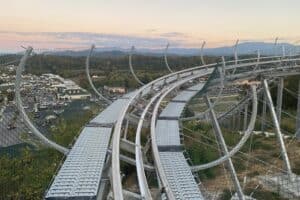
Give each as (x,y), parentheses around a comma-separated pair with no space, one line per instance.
(126,129)
(277,129)
(239,120)
(222,144)
(279,99)
(264,112)
(245,117)
(298,114)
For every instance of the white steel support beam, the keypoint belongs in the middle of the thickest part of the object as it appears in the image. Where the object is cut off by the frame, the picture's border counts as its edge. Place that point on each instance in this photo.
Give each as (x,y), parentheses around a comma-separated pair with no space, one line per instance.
(142,180)
(257,61)
(126,129)
(279,99)
(264,113)
(277,128)
(224,149)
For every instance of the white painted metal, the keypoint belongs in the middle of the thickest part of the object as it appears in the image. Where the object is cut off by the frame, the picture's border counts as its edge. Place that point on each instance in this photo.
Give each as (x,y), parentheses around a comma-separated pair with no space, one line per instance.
(158,162)
(116,143)
(167,132)
(142,180)
(131,67)
(279,98)
(241,142)
(202,56)
(116,179)
(235,55)
(21,109)
(166,58)
(277,128)
(224,150)
(87,70)
(81,172)
(264,113)
(180,177)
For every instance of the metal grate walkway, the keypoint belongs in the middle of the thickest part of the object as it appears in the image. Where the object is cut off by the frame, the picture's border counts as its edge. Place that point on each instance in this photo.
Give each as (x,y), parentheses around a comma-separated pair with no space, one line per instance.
(177,170)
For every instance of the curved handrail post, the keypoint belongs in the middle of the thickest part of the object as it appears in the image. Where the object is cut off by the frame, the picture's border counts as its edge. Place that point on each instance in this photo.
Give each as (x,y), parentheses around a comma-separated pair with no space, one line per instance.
(275,45)
(257,61)
(223,72)
(202,53)
(166,59)
(283,51)
(235,55)
(131,68)
(87,70)
(235,52)
(21,109)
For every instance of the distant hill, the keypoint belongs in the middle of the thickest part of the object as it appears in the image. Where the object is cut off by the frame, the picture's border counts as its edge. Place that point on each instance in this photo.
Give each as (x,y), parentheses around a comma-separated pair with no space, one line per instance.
(114,53)
(243,49)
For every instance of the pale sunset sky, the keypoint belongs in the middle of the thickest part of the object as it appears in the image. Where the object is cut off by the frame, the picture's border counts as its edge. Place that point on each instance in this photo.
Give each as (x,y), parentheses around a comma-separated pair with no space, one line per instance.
(145,23)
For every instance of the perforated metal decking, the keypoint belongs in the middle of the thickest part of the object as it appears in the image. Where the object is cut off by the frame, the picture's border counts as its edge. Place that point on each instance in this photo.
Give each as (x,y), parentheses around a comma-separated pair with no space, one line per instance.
(80,174)
(177,170)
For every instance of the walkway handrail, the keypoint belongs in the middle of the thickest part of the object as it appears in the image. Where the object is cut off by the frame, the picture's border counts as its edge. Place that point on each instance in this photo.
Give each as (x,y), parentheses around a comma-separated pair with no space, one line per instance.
(21,109)
(142,180)
(131,67)
(155,151)
(116,179)
(87,70)
(166,58)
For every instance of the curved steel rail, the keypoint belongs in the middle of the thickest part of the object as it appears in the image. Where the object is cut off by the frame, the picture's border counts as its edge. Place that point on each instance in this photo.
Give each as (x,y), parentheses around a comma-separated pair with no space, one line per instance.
(142,180)
(21,109)
(160,170)
(241,142)
(166,58)
(131,68)
(87,70)
(116,179)
(242,65)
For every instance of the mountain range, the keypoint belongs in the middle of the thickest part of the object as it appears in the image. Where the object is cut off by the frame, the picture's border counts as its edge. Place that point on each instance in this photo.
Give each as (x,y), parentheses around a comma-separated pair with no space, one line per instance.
(242,49)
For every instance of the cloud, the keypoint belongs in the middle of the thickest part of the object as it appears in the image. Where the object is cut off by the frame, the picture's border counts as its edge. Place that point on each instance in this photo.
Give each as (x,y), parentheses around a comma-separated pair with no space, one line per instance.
(174,34)
(73,40)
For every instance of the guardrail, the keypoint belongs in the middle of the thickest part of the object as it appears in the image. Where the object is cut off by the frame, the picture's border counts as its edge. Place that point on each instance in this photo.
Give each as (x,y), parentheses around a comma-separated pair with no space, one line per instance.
(117,186)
